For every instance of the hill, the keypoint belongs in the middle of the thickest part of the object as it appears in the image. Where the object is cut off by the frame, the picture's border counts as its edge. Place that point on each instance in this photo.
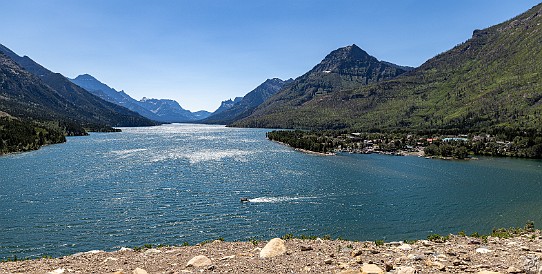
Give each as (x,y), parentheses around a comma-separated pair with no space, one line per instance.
(245,106)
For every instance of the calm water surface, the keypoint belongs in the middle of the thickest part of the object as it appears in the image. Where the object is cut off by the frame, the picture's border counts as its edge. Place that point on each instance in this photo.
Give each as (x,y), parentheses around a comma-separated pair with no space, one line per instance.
(183,183)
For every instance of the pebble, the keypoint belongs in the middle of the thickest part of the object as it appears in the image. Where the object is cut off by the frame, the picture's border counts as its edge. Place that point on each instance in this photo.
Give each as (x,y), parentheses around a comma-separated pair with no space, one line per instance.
(227,257)
(306,247)
(406,270)
(483,250)
(357,252)
(404,247)
(152,251)
(514,270)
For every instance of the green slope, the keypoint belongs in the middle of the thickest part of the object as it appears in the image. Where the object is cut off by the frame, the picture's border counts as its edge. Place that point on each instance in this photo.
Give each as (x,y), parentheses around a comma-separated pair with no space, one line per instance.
(492,81)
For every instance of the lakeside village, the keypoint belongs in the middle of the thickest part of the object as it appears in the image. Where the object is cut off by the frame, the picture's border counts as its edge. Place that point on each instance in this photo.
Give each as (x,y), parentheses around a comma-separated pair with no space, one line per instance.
(432,146)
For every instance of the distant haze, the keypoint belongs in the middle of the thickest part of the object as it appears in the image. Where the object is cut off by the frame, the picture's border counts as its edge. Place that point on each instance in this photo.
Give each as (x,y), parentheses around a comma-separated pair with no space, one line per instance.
(200,53)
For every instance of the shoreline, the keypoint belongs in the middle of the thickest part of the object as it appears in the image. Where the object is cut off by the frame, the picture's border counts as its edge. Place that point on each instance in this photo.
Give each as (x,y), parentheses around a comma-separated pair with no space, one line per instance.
(450,254)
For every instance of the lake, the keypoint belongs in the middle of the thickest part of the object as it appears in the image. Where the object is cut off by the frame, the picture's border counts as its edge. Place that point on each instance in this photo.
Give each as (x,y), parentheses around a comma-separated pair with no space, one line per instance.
(183,183)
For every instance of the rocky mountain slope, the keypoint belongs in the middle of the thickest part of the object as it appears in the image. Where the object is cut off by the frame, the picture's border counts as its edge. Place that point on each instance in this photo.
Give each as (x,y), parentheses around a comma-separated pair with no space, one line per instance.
(232,111)
(492,82)
(161,110)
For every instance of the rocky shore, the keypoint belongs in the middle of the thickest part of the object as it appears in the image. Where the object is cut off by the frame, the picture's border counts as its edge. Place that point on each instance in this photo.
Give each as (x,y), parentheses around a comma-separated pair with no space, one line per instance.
(451,254)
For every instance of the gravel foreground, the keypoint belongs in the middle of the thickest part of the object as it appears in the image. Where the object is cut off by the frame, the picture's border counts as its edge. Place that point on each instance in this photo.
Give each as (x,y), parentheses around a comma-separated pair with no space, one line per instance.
(457,254)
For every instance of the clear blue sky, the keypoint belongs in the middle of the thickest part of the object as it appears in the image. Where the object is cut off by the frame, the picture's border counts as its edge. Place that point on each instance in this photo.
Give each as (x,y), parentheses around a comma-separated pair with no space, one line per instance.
(201,52)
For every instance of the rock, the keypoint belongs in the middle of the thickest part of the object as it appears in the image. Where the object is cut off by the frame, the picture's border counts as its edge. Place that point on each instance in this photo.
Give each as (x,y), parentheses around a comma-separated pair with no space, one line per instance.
(110,259)
(393,244)
(438,265)
(531,264)
(57,271)
(406,270)
(118,272)
(152,251)
(306,247)
(357,252)
(514,270)
(139,271)
(349,271)
(487,272)
(483,250)
(125,249)
(273,248)
(227,257)
(426,243)
(388,266)
(524,248)
(404,247)
(199,261)
(371,269)
(358,260)
(415,257)
(328,261)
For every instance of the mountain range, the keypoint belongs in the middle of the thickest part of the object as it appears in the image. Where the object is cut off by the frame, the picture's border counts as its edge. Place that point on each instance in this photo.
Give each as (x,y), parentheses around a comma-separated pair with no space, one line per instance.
(161,110)
(31,91)
(492,83)
(242,107)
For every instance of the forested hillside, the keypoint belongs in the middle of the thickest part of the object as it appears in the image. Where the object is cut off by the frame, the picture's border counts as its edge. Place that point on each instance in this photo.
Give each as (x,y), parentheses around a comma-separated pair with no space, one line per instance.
(492,83)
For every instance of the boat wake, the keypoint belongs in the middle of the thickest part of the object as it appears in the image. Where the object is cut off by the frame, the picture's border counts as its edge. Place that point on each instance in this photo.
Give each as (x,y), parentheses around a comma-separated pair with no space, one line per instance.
(282,199)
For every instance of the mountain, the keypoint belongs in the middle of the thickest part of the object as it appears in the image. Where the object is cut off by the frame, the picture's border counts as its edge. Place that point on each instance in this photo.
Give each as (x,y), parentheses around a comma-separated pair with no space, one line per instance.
(225,105)
(244,107)
(161,110)
(31,91)
(492,83)
(170,111)
(346,68)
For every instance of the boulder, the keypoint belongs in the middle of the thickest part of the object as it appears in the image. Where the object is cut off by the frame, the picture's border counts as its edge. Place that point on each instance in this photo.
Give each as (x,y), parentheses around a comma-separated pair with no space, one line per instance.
(371,269)
(273,248)
(199,261)
(139,271)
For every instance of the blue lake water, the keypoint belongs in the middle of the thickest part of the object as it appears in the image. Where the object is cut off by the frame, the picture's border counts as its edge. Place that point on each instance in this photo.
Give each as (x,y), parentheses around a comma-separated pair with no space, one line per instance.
(183,183)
